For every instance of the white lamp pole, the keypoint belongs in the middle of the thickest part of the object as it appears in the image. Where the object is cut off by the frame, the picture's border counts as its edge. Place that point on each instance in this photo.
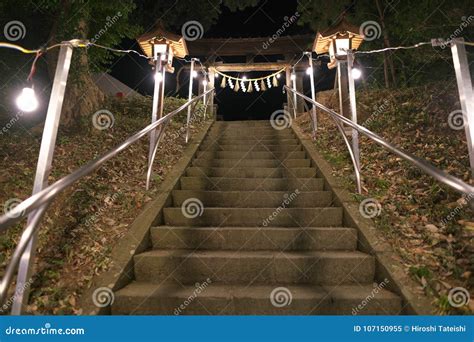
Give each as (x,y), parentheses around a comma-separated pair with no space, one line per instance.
(190,96)
(313,94)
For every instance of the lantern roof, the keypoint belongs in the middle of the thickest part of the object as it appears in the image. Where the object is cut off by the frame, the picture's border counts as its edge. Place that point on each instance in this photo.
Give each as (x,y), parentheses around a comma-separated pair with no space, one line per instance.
(341,29)
(160,35)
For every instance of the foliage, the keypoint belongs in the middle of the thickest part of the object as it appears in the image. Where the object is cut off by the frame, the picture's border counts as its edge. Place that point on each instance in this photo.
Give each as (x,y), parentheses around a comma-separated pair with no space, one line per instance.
(436,251)
(85,221)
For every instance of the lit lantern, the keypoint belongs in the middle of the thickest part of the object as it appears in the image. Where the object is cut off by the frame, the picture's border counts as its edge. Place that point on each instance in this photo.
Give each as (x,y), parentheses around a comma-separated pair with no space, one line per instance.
(337,40)
(166,44)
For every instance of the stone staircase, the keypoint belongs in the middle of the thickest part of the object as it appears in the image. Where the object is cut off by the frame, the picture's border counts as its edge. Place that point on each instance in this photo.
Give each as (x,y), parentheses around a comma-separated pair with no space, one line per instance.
(267,238)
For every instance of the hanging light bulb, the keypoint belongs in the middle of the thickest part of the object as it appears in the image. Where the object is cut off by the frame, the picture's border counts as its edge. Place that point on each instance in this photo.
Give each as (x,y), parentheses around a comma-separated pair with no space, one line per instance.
(27,101)
(278,75)
(204,83)
(356,73)
(309,71)
(194,74)
(216,75)
(293,76)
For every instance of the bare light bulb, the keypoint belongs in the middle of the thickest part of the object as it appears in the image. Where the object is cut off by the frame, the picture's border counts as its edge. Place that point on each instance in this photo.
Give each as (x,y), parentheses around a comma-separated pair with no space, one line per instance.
(158,77)
(309,71)
(356,73)
(27,101)
(278,75)
(195,74)
(293,77)
(244,78)
(204,83)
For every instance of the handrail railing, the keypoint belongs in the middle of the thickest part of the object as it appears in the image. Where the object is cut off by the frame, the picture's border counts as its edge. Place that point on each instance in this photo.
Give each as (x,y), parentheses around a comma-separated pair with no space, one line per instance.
(440,175)
(39,202)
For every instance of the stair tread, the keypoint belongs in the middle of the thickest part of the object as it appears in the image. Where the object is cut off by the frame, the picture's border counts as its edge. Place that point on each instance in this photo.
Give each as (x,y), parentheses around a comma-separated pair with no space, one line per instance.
(302,291)
(253,254)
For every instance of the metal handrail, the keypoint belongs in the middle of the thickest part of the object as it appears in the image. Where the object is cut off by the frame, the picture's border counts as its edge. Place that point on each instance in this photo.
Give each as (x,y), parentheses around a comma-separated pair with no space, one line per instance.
(440,175)
(41,200)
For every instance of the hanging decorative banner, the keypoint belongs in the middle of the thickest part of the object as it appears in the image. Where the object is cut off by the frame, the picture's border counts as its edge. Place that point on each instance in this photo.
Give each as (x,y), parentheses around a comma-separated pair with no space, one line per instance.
(247,85)
(249,89)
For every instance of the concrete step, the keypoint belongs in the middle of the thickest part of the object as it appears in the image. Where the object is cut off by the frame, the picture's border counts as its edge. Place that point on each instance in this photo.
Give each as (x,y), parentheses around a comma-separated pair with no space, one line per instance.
(254,238)
(255,199)
(255,217)
(252,135)
(259,147)
(251,141)
(288,163)
(255,267)
(142,298)
(254,184)
(268,172)
(251,155)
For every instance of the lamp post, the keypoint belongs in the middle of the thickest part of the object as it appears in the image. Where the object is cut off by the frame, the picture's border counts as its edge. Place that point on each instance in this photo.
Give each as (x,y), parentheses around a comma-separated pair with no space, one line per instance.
(310,71)
(192,74)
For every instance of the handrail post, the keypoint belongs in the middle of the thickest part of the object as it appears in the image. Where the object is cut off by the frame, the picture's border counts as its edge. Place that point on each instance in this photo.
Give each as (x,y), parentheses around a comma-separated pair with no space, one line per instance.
(157,100)
(466,94)
(295,100)
(190,96)
(313,94)
(43,168)
(353,106)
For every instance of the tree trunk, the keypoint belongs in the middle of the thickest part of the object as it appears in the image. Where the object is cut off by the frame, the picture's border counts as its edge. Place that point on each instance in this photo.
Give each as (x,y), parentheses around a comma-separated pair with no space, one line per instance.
(82,96)
(389,68)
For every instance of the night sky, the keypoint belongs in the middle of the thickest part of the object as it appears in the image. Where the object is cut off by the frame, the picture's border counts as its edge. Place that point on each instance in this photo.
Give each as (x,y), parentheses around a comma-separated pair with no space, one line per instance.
(260,21)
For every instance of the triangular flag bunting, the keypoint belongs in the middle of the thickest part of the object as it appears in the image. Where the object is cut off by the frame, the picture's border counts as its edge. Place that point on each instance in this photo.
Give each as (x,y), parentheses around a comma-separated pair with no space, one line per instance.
(237,86)
(262,85)
(223,82)
(249,88)
(275,81)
